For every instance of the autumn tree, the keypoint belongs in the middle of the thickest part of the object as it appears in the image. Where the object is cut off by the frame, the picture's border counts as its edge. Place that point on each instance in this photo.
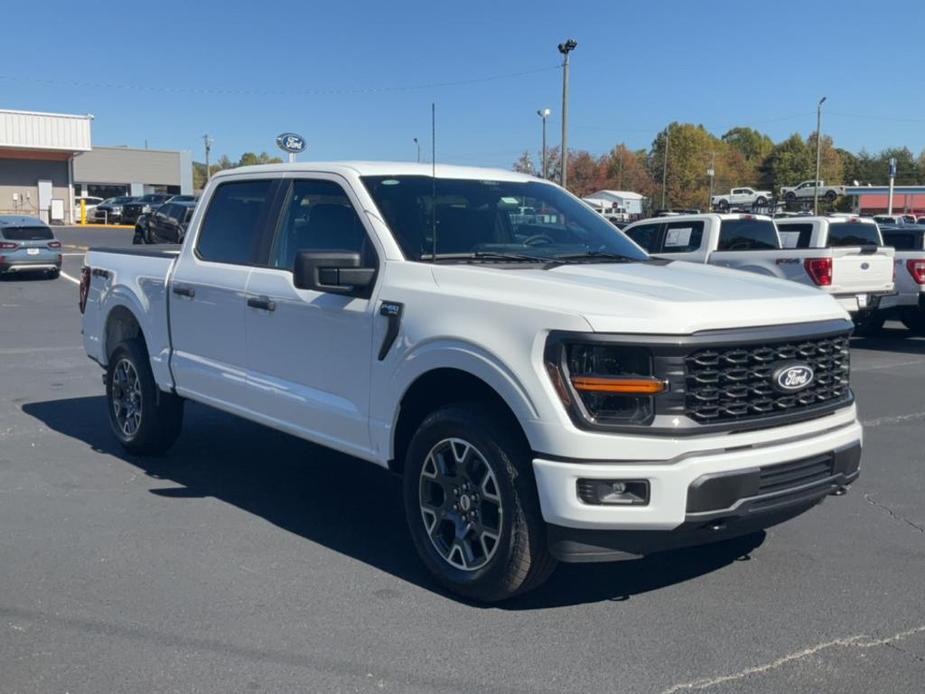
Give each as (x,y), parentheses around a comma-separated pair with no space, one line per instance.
(525,164)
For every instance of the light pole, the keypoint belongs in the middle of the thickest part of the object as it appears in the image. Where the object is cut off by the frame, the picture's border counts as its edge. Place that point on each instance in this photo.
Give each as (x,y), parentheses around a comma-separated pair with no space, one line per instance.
(818,154)
(665,165)
(419,149)
(711,172)
(207,141)
(544,114)
(565,48)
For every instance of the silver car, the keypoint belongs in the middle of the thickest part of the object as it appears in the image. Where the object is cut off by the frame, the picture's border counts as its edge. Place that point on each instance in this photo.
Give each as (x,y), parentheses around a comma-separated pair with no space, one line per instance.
(28,244)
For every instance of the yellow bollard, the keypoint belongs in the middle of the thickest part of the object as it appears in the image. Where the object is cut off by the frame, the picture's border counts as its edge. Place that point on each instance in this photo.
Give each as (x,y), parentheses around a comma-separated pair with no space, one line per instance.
(83,211)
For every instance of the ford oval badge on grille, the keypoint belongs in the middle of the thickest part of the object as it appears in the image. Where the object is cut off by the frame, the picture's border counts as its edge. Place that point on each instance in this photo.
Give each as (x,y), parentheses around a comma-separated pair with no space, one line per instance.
(792,377)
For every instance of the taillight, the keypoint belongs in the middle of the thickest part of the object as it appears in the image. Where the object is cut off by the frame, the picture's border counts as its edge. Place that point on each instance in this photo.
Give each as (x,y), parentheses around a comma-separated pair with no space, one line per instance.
(54,244)
(819,270)
(916,268)
(84,290)
(5,245)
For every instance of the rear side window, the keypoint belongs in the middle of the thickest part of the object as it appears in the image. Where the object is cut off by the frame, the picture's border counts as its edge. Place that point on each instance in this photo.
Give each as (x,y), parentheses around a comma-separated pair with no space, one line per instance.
(36,233)
(682,237)
(645,235)
(899,240)
(795,235)
(853,234)
(231,230)
(747,235)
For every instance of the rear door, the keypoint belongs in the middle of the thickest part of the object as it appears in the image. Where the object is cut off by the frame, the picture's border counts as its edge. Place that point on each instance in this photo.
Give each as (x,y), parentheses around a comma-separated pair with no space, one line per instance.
(646,235)
(207,299)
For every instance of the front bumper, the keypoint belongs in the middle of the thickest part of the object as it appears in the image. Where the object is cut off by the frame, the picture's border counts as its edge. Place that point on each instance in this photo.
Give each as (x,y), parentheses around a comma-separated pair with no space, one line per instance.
(721,506)
(670,478)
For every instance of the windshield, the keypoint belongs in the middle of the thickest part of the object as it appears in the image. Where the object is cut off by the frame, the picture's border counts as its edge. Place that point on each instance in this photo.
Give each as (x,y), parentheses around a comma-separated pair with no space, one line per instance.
(853,234)
(529,220)
(747,235)
(35,233)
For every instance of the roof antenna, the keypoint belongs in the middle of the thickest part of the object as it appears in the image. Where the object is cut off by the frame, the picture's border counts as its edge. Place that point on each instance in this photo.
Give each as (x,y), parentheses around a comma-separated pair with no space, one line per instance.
(433,170)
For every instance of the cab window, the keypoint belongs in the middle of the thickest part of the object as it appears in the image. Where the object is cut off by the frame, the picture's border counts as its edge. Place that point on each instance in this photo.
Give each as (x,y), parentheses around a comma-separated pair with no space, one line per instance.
(682,237)
(234,220)
(317,215)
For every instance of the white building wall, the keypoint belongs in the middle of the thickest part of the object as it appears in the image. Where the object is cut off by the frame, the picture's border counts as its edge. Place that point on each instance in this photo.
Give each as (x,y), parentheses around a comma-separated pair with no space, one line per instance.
(54,131)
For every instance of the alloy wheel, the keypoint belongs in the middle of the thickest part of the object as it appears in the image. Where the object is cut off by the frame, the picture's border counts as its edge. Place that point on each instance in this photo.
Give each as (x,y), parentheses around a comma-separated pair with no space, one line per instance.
(126,397)
(460,504)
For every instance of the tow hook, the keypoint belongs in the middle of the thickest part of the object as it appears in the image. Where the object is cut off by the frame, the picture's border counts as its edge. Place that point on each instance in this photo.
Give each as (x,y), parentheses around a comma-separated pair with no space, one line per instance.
(840,490)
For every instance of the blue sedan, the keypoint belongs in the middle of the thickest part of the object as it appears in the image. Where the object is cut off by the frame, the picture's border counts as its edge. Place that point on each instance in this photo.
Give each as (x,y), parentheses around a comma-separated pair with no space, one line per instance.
(28,244)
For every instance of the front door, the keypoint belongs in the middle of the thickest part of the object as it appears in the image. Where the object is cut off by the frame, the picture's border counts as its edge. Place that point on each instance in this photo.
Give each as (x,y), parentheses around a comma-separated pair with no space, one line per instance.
(207,300)
(309,353)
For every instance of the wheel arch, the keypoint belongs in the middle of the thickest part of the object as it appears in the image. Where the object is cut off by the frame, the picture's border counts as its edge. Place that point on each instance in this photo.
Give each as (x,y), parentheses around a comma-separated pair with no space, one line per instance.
(121,324)
(436,388)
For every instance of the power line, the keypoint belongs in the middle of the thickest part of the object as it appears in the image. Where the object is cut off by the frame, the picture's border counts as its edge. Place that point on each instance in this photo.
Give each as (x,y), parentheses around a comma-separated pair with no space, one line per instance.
(873,117)
(220,91)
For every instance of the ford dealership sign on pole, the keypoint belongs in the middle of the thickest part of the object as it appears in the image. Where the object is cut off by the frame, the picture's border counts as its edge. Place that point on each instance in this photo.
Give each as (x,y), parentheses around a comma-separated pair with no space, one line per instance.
(292,143)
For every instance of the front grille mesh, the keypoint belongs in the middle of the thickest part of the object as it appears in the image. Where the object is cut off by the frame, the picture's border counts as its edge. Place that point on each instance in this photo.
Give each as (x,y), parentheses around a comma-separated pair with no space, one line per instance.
(735,382)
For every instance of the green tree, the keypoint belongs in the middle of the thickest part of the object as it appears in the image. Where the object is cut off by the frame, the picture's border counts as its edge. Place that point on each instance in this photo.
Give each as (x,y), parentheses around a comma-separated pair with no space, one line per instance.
(754,146)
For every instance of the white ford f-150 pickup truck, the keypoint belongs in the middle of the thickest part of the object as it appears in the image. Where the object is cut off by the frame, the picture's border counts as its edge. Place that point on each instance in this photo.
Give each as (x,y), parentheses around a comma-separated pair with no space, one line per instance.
(806,190)
(744,197)
(856,275)
(546,389)
(907,303)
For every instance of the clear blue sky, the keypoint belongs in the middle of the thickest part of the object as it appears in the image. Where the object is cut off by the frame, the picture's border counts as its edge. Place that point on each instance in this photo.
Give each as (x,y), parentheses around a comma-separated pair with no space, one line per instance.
(279,63)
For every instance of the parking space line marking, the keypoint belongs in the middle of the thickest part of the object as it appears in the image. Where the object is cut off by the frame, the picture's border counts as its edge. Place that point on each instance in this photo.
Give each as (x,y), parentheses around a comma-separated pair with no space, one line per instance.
(68,277)
(859,641)
(73,254)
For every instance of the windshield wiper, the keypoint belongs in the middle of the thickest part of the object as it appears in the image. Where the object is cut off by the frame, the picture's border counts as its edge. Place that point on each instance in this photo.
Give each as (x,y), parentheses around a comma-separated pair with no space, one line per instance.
(595,255)
(486,255)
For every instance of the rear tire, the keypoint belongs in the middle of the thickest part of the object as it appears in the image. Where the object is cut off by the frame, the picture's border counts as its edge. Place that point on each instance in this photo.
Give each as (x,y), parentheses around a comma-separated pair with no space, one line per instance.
(830,196)
(722,205)
(145,419)
(472,506)
(53,274)
(761,201)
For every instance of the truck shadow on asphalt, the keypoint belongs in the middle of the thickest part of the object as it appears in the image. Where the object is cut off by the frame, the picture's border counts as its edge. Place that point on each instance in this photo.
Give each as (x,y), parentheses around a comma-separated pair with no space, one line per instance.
(897,341)
(345,504)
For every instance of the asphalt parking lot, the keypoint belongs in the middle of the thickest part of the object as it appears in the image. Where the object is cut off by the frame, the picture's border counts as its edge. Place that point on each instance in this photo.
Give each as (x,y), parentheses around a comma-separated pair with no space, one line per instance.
(247,560)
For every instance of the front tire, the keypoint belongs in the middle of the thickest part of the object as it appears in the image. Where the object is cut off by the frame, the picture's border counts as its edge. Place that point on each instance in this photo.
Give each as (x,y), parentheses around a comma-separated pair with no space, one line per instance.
(144,419)
(472,507)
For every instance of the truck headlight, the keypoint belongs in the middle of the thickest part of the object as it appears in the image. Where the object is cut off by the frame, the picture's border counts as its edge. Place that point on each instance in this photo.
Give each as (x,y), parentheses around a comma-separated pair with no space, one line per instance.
(602,383)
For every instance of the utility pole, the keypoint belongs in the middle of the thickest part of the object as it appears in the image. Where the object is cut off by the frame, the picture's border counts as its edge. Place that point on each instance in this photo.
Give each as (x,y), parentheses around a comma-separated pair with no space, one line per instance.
(889,209)
(818,154)
(416,142)
(565,48)
(711,172)
(207,141)
(544,114)
(665,165)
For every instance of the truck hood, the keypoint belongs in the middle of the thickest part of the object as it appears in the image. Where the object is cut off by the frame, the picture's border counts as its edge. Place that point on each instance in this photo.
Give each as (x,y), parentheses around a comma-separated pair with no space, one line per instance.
(672,298)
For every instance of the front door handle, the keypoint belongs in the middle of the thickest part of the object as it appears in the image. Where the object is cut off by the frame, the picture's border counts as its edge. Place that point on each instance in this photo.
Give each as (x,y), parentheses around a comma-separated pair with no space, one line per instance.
(183,290)
(261,302)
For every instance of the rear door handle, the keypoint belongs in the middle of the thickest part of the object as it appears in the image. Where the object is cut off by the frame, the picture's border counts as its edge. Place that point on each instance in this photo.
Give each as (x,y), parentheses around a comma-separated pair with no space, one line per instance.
(183,290)
(261,302)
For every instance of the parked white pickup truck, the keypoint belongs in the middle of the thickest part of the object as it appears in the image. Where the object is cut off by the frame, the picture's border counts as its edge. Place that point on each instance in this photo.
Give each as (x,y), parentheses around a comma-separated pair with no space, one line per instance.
(547,390)
(741,197)
(862,271)
(856,276)
(807,190)
(907,304)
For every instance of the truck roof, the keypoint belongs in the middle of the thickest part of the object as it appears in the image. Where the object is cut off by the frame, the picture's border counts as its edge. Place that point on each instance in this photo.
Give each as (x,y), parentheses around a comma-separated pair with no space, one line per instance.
(385,168)
(831,219)
(694,217)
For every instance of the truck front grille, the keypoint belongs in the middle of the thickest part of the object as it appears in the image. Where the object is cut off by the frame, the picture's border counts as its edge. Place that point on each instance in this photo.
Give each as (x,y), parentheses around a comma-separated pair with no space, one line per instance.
(734,383)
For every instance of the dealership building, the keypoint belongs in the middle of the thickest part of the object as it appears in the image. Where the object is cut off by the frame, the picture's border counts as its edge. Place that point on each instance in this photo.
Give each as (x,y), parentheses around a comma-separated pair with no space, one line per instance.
(47,160)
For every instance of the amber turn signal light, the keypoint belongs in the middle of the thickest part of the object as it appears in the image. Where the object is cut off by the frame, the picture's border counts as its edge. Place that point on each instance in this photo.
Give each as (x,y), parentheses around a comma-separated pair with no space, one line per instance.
(632,386)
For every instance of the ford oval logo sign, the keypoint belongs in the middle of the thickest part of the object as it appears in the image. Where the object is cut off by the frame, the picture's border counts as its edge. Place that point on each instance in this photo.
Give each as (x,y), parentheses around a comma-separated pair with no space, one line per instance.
(865,266)
(290,142)
(792,377)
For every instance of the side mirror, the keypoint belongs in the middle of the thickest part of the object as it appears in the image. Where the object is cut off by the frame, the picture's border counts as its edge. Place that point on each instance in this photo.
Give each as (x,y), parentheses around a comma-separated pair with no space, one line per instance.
(334,272)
